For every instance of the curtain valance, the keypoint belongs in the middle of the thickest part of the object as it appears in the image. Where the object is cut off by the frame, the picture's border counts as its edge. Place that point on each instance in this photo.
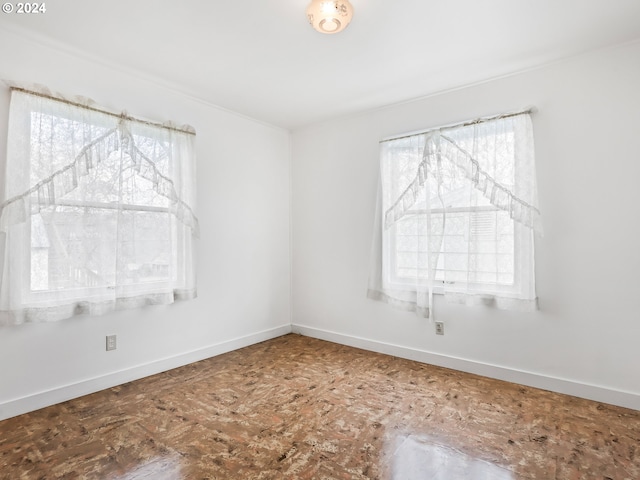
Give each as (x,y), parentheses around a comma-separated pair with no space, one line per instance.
(457,209)
(98,210)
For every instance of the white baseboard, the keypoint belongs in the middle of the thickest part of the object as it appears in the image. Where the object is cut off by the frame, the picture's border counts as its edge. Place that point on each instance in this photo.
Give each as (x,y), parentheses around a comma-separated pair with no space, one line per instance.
(568,387)
(47,398)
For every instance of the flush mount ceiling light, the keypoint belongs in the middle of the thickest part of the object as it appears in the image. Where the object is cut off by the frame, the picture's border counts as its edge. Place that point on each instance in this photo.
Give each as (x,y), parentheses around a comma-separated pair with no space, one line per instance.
(329,16)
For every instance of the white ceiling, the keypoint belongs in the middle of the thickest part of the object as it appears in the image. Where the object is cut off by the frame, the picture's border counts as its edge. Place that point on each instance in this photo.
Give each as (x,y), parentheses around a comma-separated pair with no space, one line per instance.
(262,59)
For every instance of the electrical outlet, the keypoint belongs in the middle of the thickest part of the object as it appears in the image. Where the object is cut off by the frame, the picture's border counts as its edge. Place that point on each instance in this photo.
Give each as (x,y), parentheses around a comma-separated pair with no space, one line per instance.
(439,328)
(111,342)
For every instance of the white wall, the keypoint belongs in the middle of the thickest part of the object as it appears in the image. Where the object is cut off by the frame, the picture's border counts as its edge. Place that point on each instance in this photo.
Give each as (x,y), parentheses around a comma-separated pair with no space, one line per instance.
(243,253)
(585,340)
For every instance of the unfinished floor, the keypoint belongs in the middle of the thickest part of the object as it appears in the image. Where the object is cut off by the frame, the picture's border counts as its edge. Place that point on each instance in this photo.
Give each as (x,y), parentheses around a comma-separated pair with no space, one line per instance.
(300,408)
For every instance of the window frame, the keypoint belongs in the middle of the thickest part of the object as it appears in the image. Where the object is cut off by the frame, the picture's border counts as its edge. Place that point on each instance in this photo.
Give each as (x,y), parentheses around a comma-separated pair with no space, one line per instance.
(179,272)
(521,236)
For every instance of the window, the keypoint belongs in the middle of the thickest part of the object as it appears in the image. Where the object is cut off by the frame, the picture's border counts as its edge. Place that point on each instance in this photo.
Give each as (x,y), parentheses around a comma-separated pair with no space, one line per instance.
(458,208)
(99,211)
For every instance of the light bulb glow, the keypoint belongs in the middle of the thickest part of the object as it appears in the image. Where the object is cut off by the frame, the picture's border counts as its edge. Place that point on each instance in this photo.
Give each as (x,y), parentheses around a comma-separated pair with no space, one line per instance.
(329,16)
(329,7)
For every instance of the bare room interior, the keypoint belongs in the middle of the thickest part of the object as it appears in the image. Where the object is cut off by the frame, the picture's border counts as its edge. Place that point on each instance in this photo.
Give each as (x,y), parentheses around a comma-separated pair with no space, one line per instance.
(295,239)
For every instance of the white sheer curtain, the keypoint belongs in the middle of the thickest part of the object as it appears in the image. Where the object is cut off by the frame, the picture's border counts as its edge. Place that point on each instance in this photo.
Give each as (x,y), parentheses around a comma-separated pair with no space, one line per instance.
(98,211)
(457,209)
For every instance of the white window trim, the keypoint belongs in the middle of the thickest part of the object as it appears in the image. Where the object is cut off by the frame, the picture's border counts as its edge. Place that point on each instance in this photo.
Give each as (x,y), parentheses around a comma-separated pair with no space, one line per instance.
(415,293)
(18,301)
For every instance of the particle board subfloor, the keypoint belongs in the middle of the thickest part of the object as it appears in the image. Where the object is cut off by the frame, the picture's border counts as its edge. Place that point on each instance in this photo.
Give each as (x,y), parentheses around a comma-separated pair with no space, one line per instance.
(300,408)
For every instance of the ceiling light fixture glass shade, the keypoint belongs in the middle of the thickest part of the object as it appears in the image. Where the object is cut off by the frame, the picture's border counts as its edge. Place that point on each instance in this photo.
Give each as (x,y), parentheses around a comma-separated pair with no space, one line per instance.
(329,16)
